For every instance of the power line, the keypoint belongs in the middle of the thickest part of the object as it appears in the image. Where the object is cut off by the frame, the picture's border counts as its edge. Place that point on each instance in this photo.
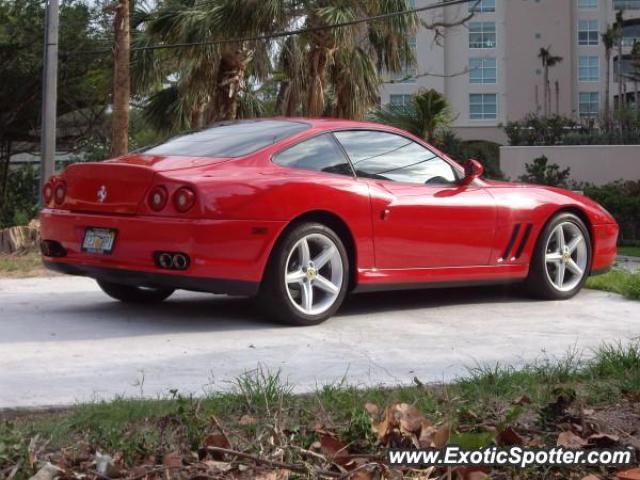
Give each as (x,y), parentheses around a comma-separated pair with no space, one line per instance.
(286,33)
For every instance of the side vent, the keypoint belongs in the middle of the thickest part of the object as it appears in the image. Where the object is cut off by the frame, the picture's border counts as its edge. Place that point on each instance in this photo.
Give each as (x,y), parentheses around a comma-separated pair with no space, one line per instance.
(523,242)
(512,241)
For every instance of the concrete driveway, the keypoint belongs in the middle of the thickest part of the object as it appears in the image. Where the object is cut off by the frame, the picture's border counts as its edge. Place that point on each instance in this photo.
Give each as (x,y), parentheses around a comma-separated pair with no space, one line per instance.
(62,340)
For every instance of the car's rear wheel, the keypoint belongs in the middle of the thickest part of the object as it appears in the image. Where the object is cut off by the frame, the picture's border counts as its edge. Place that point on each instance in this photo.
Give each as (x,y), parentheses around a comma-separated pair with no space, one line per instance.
(131,294)
(307,277)
(562,258)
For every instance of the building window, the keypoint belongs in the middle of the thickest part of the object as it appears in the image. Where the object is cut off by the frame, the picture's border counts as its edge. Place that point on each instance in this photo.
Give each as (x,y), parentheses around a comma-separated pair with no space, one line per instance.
(483,70)
(482,35)
(626,4)
(400,101)
(408,72)
(589,69)
(588,33)
(482,6)
(587,4)
(483,106)
(588,104)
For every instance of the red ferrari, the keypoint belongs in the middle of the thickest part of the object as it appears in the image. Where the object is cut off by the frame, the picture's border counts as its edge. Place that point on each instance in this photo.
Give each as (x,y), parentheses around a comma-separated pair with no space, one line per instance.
(299,212)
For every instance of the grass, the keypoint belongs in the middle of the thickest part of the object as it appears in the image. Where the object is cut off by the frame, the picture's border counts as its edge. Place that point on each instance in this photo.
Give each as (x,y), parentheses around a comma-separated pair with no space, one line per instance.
(138,429)
(19,266)
(629,251)
(617,281)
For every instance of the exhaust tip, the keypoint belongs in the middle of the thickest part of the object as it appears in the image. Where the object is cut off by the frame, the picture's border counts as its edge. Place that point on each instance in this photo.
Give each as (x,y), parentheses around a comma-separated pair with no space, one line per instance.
(165,260)
(51,248)
(180,261)
(172,260)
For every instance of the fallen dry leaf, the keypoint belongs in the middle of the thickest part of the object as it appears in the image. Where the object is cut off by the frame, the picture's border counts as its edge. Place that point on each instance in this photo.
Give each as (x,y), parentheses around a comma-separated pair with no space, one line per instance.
(247,420)
(510,437)
(372,408)
(404,419)
(571,440)
(47,472)
(522,400)
(332,448)
(442,436)
(279,474)
(633,474)
(172,460)
(591,477)
(216,440)
(472,473)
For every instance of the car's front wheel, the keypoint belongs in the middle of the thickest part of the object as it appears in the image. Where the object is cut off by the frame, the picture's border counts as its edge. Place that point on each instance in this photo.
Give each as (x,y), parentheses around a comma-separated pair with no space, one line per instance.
(307,277)
(562,258)
(131,294)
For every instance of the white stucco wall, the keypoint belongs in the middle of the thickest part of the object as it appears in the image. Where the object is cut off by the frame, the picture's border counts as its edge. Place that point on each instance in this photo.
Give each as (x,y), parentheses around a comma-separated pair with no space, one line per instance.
(597,164)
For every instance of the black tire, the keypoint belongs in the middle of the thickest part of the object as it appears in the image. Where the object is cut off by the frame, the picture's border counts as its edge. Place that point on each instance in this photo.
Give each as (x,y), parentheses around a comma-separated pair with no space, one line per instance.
(538,283)
(131,294)
(275,298)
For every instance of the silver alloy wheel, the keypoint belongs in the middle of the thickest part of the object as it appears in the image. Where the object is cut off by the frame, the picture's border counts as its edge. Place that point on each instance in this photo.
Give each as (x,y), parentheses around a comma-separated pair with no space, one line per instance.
(314,274)
(566,256)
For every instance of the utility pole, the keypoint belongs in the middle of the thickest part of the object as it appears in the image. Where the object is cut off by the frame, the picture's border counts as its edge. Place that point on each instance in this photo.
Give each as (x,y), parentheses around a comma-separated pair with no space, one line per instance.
(49,94)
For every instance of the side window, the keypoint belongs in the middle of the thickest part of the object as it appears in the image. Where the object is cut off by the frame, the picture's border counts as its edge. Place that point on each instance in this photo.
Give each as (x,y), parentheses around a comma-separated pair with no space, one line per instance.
(387,156)
(319,153)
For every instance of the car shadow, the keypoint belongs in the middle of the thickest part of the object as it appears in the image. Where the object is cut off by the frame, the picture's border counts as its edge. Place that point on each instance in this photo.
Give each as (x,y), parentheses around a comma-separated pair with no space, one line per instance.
(98,317)
(365,303)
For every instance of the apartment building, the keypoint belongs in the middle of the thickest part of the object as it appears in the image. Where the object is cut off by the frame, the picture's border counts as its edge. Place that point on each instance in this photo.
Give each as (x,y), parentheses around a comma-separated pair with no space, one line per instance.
(489,70)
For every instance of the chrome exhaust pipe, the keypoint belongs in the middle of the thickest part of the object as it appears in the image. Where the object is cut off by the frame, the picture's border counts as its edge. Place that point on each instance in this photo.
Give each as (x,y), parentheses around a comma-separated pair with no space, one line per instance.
(180,261)
(165,260)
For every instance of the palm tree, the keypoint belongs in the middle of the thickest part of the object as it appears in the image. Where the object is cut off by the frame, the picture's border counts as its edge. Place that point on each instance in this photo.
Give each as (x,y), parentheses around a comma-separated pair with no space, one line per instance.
(199,84)
(609,41)
(619,39)
(325,71)
(121,81)
(548,61)
(428,111)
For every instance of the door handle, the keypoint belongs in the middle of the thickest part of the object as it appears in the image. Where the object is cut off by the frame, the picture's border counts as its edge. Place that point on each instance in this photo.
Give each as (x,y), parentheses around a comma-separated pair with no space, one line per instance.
(384,214)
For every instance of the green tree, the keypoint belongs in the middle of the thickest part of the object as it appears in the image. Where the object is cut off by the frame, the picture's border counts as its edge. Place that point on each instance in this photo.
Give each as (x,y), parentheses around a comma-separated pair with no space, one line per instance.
(323,71)
(609,38)
(548,61)
(427,111)
(541,172)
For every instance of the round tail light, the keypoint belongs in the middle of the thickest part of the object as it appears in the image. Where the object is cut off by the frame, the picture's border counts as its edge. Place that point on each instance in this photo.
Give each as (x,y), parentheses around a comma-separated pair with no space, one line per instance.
(158,198)
(47,192)
(60,192)
(184,199)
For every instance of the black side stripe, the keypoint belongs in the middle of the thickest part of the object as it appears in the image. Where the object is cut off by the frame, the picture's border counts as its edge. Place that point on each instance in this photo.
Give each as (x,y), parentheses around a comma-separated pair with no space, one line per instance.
(512,241)
(524,240)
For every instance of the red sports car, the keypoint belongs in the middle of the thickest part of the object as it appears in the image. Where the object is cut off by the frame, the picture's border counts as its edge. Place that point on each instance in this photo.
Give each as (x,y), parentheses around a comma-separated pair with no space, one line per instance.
(299,212)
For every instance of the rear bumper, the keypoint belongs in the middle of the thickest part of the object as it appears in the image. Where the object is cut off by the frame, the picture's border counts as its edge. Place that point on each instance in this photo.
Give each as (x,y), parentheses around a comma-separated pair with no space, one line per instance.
(227,256)
(151,279)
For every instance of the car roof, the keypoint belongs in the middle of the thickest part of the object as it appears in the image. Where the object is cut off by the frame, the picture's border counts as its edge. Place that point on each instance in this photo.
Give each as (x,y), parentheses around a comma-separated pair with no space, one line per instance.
(331,123)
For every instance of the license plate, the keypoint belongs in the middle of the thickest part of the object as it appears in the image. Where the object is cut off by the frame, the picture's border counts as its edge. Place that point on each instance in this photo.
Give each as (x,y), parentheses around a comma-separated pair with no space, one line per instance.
(98,240)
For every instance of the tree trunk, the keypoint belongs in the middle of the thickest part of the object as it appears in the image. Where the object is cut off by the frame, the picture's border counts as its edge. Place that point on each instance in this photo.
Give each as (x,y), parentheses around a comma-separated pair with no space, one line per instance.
(546,91)
(230,83)
(121,81)
(557,85)
(315,96)
(607,95)
(621,100)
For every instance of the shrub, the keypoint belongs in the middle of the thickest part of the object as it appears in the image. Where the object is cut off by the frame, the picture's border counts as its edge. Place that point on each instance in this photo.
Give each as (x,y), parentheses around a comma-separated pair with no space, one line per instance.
(488,153)
(535,130)
(543,173)
(20,204)
(622,200)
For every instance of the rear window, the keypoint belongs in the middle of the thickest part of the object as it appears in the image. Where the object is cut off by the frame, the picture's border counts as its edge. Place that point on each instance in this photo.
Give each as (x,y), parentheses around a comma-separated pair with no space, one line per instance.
(229,139)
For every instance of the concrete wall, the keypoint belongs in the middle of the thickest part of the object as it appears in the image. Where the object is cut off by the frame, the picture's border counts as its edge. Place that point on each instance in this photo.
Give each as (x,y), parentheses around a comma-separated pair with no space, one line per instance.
(597,164)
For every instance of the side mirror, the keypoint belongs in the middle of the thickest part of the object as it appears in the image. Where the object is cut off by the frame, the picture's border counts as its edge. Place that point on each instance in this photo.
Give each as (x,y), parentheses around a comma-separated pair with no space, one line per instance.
(472,170)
